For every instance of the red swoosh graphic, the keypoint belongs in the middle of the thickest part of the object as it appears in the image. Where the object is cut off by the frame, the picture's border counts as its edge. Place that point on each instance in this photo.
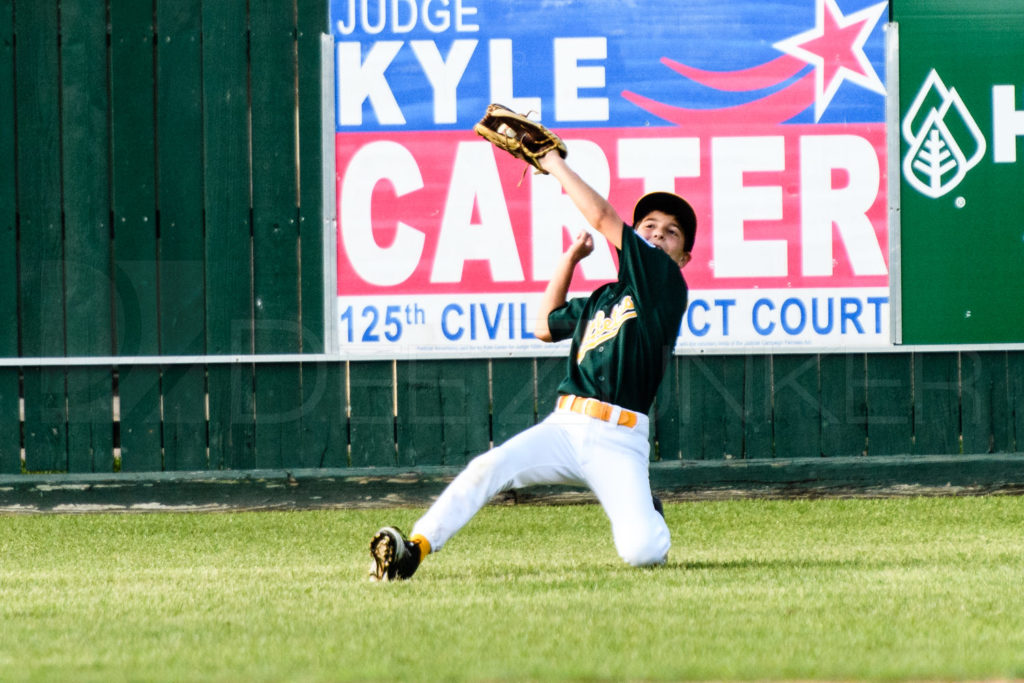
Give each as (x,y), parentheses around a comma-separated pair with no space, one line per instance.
(762,76)
(774,108)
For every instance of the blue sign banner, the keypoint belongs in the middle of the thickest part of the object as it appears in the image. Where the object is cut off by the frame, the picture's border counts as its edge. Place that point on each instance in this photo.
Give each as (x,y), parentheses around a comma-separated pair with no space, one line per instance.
(424,64)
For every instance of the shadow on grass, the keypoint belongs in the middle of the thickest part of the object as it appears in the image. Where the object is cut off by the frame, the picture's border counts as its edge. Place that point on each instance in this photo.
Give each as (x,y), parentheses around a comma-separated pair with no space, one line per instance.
(859,564)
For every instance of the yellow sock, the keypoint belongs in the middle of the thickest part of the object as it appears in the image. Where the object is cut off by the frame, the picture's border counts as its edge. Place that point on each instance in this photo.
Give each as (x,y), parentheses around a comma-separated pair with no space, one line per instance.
(422,543)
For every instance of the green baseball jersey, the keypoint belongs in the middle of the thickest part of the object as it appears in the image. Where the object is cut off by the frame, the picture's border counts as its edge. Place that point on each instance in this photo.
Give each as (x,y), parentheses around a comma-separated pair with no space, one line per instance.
(624,332)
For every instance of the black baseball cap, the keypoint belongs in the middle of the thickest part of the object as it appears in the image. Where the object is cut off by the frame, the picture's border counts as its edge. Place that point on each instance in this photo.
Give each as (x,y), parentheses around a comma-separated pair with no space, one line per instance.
(673,205)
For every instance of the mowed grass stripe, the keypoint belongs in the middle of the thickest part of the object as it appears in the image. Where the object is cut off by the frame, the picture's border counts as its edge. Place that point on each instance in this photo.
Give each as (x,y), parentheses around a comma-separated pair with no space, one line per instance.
(925,588)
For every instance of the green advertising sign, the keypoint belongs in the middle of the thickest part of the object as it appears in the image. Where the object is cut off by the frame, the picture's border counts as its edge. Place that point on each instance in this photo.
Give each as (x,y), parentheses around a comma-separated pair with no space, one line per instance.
(961,165)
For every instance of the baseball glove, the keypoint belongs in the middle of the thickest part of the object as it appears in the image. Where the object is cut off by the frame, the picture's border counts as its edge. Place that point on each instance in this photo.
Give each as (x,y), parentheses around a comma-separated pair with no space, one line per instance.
(519,136)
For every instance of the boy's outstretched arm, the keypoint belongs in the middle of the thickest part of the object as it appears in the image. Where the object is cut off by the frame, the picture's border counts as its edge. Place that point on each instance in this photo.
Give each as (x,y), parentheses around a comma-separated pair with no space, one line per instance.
(558,286)
(601,215)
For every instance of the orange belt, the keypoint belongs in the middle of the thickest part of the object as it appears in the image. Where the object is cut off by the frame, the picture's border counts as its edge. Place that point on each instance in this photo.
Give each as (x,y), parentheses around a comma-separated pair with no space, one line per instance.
(591,407)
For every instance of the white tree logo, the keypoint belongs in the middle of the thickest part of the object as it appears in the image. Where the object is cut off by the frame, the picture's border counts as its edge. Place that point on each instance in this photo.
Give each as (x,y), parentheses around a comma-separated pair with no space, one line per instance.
(936,161)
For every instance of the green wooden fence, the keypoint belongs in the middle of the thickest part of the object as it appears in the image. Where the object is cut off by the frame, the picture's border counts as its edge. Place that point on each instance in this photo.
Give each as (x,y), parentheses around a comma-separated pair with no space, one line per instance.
(161,196)
(333,414)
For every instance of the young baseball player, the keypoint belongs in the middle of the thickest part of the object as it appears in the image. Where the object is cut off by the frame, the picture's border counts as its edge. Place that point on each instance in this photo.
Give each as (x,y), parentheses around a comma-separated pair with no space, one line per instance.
(597,436)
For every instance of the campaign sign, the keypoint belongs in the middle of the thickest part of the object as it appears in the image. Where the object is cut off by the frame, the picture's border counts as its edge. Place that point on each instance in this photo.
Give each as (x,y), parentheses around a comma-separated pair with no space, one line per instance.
(767,117)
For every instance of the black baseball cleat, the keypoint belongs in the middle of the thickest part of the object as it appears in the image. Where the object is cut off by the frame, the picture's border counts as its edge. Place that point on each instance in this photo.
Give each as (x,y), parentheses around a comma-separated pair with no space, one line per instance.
(657,505)
(394,558)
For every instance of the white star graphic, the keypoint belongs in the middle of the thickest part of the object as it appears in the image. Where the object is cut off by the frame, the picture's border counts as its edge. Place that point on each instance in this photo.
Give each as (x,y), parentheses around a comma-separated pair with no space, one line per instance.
(835,48)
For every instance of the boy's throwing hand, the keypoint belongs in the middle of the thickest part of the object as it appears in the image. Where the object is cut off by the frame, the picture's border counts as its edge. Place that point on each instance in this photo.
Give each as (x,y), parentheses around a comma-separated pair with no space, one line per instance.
(581,247)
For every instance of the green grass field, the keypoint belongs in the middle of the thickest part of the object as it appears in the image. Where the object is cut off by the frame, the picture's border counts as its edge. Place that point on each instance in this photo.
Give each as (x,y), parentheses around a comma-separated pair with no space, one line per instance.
(926,588)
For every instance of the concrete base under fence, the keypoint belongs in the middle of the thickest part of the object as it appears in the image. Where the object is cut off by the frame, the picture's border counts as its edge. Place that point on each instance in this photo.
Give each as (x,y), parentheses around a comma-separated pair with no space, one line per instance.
(393,487)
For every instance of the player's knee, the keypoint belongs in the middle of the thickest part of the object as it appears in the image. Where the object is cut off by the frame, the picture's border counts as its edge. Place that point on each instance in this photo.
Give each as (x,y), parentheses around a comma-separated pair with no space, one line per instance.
(643,548)
(485,471)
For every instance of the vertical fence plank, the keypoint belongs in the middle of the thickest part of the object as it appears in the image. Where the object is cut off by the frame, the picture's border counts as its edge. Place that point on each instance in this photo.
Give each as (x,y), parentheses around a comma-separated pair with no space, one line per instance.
(41,252)
(90,419)
(998,364)
(691,433)
(183,417)
(10,390)
(179,125)
(688,404)
(465,401)
(274,176)
(322,419)
(324,430)
(936,403)
(372,417)
(10,421)
(134,176)
(716,390)
(139,391)
(311,22)
(277,404)
(228,243)
(279,411)
(87,266)
(86,177)
(275,229)
(231,435)
(985,402)
(45,431)
(420,420)
(797,406)
(736,375)
(757,407)
(1015,375)
(135,249)
(8,186)
(514,405)
(37,173)
(733,377)
(890,404)
(844,423)
(665,422)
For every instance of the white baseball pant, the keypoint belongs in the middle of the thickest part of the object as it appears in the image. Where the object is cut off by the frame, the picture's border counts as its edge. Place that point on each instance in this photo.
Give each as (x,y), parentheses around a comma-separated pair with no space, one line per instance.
(571,449)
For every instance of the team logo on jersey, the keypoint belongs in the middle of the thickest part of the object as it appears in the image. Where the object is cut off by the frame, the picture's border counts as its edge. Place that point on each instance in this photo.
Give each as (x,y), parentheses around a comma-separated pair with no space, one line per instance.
(938,158)
(603,327)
